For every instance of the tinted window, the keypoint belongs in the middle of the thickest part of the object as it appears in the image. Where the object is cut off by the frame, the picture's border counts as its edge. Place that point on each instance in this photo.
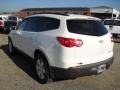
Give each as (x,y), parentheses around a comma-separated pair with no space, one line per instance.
(45,23)
(112,22)
(37,24)
(86,27)
(22,25)
(51,23)
(12,18)
(30,25)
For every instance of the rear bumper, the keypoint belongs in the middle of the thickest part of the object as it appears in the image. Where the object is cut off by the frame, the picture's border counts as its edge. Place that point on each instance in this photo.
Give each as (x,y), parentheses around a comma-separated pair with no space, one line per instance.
(85,70)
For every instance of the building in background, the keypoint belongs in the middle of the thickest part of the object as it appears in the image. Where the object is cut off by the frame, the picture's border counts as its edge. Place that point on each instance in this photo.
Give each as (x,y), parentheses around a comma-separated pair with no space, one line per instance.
(67,10)
(101,12)
(104,12)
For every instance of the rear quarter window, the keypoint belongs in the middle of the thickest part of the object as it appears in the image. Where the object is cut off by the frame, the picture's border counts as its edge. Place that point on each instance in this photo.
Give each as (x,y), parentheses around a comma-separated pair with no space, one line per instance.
(86,27)
(46,23)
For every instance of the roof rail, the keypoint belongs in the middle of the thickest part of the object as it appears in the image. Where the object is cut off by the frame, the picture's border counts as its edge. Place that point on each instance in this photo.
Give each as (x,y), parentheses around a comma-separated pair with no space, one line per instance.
(56,13)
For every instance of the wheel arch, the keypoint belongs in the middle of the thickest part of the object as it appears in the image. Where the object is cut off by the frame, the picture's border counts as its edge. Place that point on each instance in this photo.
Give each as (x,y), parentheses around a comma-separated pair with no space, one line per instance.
(36,52)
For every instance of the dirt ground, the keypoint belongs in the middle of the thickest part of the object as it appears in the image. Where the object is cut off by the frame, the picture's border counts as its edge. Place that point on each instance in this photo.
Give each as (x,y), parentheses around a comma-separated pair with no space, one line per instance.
(17,73)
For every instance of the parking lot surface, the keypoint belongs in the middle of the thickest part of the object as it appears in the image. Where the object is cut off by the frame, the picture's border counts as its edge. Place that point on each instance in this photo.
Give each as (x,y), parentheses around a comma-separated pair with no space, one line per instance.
(17,73)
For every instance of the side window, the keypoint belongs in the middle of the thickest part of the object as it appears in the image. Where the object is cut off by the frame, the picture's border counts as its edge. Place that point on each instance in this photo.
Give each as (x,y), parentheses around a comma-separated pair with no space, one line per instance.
(22,25)
(30,25)
(46,23)
(38,24)
(51,23)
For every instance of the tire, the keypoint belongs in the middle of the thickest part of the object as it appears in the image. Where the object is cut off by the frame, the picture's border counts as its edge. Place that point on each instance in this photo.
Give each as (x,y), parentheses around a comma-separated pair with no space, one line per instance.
(41,67)
(11,47)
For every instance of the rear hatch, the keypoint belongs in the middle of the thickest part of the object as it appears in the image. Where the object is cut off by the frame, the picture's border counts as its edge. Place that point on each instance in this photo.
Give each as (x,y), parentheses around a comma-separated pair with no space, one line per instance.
(97,45)
(113,26)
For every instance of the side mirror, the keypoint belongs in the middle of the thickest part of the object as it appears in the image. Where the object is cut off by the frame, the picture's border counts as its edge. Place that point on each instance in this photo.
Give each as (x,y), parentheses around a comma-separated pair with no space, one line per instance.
(13,28)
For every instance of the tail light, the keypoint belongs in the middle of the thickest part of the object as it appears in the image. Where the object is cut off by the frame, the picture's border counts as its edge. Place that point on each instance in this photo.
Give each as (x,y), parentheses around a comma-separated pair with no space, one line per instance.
(70,42)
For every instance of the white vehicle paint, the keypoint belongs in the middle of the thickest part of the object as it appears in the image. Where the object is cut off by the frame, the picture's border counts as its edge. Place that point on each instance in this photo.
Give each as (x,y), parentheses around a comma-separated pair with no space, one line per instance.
(113,25)
(73,45)
(4,17)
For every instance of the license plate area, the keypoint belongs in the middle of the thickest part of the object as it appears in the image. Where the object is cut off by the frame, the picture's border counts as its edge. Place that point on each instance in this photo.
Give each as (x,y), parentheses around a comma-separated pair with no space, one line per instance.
(101,68)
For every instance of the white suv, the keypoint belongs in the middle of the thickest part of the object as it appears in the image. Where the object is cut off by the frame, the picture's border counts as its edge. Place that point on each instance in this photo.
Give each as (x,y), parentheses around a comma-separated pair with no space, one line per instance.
(113,25)
(63,46)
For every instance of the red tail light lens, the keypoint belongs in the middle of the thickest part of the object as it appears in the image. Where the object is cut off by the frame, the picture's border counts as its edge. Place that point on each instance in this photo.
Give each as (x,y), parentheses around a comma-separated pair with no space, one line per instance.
(70,42)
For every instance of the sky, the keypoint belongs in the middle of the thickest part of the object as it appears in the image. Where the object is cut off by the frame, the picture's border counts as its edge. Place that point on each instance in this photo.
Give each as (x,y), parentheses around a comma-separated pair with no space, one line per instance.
(16,5)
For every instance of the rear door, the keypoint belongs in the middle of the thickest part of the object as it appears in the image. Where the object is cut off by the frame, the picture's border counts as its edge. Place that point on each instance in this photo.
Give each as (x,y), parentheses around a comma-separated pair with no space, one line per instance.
(96,40)
(17,34)
(27,37)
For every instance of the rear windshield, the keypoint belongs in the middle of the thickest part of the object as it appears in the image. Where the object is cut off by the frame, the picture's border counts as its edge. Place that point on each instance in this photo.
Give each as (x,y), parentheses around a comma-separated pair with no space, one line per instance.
(12,18)
(86,27)
(112,22)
